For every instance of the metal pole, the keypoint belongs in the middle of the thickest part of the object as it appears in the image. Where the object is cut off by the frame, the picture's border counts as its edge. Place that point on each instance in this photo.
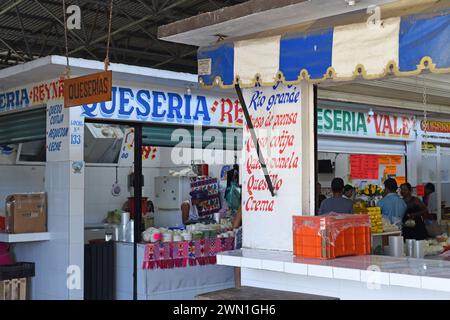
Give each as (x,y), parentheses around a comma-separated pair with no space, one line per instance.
(255,139)
(316,176)
(439,184)
(137,200)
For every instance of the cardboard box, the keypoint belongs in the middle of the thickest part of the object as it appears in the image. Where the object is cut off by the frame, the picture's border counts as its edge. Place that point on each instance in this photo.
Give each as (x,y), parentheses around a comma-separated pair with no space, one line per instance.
(26,213)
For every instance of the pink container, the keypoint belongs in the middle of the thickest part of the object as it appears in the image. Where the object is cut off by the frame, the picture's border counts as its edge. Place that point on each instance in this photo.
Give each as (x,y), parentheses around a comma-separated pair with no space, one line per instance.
(5,256)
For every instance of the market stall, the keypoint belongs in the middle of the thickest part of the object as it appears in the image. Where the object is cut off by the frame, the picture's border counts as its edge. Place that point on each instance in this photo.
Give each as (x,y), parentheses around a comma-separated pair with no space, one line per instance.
(278,70)
(83,159)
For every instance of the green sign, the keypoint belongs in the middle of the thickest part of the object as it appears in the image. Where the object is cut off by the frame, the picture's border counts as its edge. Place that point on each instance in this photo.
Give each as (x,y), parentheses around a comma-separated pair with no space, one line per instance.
(341,121)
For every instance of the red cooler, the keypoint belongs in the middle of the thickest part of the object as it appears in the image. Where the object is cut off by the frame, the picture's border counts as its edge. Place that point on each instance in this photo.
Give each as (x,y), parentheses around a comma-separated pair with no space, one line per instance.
(144,206)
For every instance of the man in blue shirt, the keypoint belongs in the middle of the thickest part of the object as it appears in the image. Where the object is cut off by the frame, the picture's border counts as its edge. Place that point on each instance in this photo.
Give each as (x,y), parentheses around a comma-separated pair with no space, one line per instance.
(392,206)
(337,203)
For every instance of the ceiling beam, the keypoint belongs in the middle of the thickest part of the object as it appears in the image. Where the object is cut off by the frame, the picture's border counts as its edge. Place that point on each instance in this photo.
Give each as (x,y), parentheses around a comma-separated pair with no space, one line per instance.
(63,25)
(151,16)
(11,6)
(30,55)
(12,50)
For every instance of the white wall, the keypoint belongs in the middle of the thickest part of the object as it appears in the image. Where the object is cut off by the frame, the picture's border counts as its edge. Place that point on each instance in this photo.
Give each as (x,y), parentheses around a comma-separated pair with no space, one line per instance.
(20,179)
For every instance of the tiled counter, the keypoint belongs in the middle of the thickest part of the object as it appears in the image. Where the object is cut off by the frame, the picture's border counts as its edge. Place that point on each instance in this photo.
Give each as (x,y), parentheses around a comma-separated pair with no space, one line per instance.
(357,277)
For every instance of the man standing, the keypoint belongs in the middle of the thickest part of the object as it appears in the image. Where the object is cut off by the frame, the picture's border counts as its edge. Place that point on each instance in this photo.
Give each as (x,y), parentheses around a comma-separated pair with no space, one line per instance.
(337,203)
(392,206)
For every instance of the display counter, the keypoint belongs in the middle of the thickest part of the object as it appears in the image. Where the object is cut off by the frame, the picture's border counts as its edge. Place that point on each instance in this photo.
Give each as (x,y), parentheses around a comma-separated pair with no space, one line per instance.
(354,277)
(176,283)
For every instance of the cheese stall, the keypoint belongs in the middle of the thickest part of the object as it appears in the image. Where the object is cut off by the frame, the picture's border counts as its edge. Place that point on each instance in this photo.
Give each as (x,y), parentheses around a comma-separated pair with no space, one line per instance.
(322,74)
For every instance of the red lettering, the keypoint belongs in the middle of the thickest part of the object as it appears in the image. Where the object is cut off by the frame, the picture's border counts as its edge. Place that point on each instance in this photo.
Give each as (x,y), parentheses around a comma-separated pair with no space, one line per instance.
(54,90)
(387,125)
(146,152)
(259,205)
(406,127)
(378,119)
(226,113)
(41,92)
(397,131)
(238,112)
(35,94)
(47,92)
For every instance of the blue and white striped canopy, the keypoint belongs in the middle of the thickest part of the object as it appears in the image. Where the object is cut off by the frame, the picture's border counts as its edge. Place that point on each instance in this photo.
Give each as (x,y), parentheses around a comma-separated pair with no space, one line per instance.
(400,46)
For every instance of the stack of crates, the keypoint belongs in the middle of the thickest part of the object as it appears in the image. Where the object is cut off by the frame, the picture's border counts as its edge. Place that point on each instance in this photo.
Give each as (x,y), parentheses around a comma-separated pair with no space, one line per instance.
(331,236)
(375,219)
(14,280)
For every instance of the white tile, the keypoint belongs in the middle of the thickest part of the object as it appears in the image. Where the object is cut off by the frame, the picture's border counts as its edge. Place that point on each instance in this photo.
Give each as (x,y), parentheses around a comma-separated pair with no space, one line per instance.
(320,271)
(251,263)
(76,229)
(375,277)
(273,265)
(76,255)
(347,274)
(76,202)
(231,261)
(396,279)
(432,283)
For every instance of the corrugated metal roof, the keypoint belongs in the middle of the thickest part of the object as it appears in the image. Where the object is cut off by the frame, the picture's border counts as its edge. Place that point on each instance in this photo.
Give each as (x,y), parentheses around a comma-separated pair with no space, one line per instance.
(132,42)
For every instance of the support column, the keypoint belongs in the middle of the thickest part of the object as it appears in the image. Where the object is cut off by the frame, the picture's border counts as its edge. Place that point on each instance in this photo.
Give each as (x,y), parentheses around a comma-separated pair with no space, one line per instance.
(64,184)
(308,188)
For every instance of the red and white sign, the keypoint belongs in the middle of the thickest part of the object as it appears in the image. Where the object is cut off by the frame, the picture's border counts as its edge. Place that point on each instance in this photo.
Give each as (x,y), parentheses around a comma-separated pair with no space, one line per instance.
(276,117)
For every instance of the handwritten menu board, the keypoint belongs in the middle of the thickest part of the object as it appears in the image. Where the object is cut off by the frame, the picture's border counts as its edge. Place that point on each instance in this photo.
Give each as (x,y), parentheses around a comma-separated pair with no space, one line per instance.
(389,160)
(275,114)
(364,167)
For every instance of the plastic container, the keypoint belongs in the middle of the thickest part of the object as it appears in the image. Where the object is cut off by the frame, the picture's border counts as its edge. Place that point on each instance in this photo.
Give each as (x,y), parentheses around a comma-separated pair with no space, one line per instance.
(331,236)
(2,223)
(5,255)
(17,270)
(144,206)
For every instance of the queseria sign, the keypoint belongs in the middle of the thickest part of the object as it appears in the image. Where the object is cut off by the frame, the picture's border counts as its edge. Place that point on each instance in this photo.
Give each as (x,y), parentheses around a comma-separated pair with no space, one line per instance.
(340,122)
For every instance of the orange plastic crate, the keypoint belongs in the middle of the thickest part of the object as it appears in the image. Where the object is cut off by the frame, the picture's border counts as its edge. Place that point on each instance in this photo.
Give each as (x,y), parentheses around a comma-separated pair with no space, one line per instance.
(331,236)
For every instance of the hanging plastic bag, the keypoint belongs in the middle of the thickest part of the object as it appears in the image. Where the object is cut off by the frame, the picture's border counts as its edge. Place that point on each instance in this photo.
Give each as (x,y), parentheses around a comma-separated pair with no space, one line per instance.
(233,196)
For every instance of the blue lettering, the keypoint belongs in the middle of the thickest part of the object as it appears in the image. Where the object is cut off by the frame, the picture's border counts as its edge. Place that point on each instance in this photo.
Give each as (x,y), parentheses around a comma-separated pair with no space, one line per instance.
(125,113)
(10,100)
(104,110)
(202,109)
(88,110)
(187,102)
(57,119)
(143,100)
(2,101)
(174,107)
(54,146)
(157,104)
(24,97)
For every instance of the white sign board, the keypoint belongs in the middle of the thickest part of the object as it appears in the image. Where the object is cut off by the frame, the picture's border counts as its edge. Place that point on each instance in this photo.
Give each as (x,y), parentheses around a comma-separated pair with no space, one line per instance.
(276,116)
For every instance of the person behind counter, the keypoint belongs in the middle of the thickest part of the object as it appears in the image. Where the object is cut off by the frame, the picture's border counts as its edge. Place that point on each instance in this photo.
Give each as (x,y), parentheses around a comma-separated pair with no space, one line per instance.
(349,191)
(392,206)
(415,211)
(319,192)
(430,198)
(337,203)
(189,210)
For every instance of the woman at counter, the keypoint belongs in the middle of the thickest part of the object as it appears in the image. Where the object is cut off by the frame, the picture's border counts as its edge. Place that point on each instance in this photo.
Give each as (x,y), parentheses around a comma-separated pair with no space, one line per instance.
(413,224)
